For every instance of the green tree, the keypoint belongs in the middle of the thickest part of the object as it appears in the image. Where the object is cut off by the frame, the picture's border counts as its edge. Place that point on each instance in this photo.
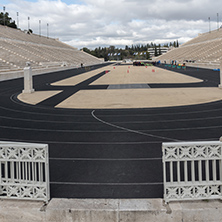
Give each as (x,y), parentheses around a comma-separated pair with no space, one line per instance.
(177,44)
(160,50)
(155,50)
(86,50)
(6,20)
(12,25)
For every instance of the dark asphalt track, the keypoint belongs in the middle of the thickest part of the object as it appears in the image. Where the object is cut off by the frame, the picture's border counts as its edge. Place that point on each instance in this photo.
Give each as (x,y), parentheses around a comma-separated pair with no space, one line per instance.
(105,153)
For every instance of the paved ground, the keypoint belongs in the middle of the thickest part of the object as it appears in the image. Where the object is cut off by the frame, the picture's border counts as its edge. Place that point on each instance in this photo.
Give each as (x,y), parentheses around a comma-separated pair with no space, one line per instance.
(110,210)
(92,90)
(110,153)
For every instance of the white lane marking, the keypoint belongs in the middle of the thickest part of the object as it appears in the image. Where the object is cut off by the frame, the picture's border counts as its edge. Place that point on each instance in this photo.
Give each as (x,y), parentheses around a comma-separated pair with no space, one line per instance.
(105,159)
(85,143)
(126,122)
(162,114)
(114,131)
(107,184)
(132,131)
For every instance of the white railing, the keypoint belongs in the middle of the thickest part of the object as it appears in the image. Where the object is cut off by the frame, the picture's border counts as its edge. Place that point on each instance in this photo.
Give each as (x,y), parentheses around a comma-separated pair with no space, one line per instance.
(192,170)
(24,171)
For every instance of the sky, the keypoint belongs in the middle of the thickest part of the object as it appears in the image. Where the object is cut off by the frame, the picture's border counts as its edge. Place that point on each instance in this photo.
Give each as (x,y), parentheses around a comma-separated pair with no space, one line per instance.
(94,23)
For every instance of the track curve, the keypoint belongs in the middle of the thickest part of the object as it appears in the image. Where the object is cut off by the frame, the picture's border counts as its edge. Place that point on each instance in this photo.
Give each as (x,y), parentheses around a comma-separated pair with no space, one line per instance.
(104,153)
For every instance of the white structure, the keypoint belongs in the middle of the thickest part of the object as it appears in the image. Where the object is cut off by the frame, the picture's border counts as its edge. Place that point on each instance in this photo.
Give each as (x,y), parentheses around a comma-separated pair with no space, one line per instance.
(163,50)
(192,171)
(24,171)
(220,86)
(28,82)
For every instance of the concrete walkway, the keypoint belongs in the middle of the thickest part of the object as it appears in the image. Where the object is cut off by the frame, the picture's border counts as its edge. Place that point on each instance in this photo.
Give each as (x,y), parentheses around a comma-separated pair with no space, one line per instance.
(110,210)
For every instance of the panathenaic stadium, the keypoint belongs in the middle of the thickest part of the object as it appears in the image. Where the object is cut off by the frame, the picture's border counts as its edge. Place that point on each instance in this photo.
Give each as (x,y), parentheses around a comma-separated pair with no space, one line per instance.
(87,140)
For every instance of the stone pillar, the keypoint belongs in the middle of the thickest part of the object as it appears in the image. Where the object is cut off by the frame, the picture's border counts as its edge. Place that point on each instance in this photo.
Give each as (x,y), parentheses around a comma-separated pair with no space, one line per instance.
(220,86)
(28,84)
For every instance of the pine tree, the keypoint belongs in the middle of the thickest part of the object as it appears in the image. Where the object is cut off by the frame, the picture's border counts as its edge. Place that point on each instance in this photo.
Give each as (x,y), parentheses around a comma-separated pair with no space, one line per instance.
(6,20)
(155,50)
(160,50)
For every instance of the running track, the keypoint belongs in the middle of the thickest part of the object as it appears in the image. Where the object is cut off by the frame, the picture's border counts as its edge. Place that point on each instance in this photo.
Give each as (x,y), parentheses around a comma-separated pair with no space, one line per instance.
(105,153)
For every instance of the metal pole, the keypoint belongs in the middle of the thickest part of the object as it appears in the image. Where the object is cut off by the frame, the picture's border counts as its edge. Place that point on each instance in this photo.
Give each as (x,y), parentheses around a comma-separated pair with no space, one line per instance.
(218,21)
(47,30)
(39,27)
(209,25)
(4,14)
(28,24)
(17,20)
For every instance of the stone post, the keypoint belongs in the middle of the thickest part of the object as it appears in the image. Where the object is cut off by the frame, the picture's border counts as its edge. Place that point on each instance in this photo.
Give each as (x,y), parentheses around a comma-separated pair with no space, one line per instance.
(220,86)
(28,84)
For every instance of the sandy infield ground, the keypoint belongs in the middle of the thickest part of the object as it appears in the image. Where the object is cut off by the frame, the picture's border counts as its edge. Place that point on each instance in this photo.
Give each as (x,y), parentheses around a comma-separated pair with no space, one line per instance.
(131,97)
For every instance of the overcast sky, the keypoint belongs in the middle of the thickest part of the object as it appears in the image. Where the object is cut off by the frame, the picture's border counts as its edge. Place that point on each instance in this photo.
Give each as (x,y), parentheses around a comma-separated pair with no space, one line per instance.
(94,23)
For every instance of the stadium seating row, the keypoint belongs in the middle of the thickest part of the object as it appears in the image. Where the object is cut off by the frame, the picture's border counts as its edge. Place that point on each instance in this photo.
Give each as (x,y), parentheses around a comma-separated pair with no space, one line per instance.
(204,49)
(18,47)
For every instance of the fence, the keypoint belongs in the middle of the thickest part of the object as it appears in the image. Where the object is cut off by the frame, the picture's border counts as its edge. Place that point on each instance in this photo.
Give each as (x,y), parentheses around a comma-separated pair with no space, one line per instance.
(192,170)
(24,171)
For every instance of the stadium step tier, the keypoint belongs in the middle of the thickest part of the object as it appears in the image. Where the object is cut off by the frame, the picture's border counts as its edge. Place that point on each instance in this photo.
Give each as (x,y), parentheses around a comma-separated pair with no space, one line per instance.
(18,47)
(203,51)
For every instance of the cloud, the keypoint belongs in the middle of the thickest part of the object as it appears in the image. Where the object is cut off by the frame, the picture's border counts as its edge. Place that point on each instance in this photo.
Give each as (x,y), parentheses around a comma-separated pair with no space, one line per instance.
(93,23)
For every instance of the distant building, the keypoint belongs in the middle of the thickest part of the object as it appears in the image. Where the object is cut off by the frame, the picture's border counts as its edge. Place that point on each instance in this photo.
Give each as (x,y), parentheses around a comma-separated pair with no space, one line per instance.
(163,50)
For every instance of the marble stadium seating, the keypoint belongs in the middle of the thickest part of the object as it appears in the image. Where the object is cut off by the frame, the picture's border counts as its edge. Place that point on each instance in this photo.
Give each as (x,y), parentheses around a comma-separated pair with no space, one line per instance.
(204,50)
(18,47)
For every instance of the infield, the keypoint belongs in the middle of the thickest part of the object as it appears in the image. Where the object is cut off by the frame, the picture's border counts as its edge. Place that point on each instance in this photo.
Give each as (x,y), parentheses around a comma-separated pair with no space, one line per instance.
(129,87)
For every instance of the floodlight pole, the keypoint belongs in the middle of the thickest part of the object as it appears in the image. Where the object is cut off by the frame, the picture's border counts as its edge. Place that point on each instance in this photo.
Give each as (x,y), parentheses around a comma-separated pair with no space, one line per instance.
(4,14)
(28,23)
(47,30)
(40,28)
(209,24)
(17,20)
